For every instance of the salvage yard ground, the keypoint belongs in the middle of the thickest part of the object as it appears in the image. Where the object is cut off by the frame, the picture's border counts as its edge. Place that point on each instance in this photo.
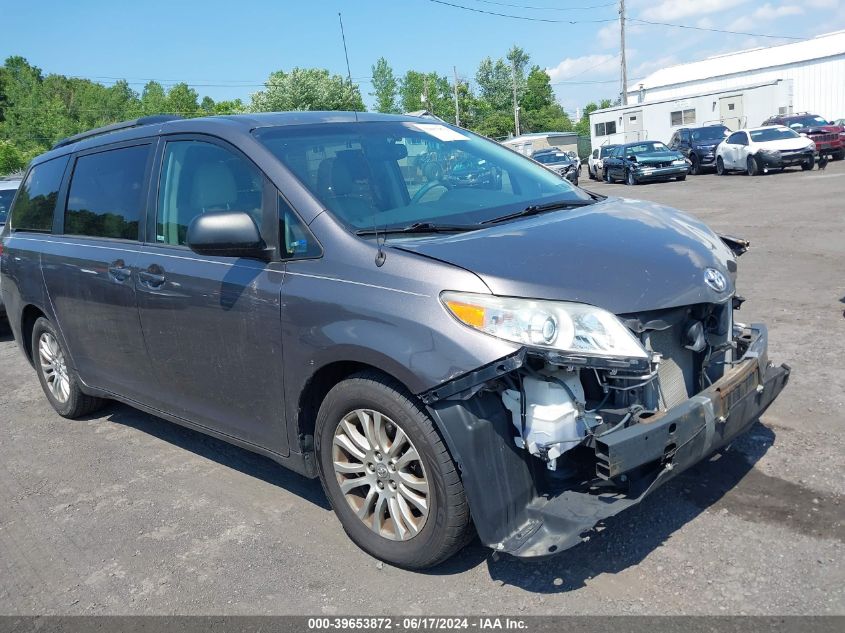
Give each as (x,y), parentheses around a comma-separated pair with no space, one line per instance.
(127,513)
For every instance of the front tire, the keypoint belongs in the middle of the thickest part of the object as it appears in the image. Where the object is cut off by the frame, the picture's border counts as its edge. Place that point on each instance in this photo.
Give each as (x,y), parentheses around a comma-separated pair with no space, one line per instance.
(720,166)
(695,168)
(630,179)
(807,165)
(681,178)
(388,474)
(752,167)
(607,177)
(58,379)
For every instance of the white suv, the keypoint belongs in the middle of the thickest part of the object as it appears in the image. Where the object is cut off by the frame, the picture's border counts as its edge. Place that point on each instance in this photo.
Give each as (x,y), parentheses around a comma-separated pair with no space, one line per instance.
(756,150)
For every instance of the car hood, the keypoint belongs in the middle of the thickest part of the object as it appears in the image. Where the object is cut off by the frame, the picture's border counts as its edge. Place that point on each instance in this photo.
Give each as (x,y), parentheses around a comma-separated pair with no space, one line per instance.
(785,143)
(658,157)
(622,255)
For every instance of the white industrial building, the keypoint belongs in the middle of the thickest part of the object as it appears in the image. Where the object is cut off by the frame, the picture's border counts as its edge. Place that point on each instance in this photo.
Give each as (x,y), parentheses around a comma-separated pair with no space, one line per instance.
(529,143)
(739,89)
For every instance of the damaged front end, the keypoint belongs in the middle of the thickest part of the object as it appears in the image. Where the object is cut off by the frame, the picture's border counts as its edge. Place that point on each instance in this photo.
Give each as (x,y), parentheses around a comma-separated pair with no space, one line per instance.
(551,442)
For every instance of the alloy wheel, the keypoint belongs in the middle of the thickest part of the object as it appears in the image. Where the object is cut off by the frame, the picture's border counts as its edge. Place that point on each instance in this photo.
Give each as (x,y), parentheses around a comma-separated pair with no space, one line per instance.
(381,474)
(54,367)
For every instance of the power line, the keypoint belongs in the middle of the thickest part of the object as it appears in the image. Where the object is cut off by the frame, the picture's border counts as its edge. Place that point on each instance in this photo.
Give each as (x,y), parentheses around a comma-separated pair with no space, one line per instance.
(533,8)
(598,21)
(701,28)
(519,17)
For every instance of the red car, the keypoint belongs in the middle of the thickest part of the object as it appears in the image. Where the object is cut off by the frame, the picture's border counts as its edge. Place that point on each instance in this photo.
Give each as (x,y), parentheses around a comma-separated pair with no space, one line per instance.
(828,137)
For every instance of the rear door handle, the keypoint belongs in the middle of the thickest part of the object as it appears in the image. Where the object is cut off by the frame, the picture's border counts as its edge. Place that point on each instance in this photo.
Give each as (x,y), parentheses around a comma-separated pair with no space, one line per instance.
(151,280)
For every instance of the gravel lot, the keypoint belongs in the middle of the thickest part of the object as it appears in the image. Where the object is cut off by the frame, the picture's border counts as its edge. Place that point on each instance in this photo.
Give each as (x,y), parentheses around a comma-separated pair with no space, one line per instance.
(127,513)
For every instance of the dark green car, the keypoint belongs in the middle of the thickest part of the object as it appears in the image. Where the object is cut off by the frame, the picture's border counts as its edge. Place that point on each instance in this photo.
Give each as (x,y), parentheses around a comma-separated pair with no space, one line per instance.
(642,161)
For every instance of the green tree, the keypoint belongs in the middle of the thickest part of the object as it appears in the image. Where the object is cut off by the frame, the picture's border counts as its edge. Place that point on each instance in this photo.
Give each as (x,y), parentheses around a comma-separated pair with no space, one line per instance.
(153,99)
(538,90)
(11,158)
(495,83)
(182,99)
(427,91)
(307,89)
(385,87)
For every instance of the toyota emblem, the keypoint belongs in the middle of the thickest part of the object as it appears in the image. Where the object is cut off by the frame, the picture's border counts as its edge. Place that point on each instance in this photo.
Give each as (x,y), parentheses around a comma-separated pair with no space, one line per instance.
(715,279)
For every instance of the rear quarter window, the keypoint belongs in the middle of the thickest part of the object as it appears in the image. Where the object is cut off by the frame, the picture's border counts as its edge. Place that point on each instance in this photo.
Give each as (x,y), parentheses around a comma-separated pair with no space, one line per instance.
(106,193)
(33,208)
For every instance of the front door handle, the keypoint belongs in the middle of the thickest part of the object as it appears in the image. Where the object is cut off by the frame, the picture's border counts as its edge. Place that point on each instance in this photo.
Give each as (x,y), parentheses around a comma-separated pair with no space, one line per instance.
(119,271)
(151,280)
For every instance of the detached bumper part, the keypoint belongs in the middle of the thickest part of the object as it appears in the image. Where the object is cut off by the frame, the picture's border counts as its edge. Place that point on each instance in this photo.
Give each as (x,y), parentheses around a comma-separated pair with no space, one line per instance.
(511,516)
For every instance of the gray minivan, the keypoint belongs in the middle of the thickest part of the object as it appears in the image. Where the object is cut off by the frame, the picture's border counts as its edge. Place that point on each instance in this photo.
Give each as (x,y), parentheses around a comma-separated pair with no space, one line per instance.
(503,354)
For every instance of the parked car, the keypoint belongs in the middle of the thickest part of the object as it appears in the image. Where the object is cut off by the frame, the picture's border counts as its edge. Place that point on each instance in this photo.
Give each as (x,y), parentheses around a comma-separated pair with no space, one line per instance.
(642,161)
(757,150)
(523,360)
(828,136)
(8,188)
(595,161)
(558,161)
(698,145)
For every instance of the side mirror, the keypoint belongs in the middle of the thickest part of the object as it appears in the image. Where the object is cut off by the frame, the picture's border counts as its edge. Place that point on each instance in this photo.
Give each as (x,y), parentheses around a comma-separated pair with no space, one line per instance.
(804,134)
(631,157)
(226,234)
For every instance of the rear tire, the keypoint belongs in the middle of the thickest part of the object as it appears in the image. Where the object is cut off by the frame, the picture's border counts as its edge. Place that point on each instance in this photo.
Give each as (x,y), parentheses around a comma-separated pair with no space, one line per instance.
(752,167)
(720,167)
(58,379)
(357,436)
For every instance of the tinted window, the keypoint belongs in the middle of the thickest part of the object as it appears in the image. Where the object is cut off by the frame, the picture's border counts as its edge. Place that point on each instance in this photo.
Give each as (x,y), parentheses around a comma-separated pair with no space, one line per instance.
(34,206)
(737,138)
(199,177)
(107,193)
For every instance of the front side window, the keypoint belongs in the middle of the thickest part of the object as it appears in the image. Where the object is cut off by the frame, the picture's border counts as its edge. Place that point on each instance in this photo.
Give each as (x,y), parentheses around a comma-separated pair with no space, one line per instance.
(396,173)
(198,177)
(106,193)
(34,206)
(737,138)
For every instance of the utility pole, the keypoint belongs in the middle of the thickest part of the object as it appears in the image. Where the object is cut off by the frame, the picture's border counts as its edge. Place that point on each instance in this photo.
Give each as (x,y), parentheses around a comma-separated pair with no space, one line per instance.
(624,65)
(515,104)
(424,96)
(457,113)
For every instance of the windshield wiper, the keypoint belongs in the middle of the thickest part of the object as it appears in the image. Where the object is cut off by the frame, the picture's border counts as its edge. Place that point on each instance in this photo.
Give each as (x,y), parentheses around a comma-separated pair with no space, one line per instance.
(420,227)
(536,209)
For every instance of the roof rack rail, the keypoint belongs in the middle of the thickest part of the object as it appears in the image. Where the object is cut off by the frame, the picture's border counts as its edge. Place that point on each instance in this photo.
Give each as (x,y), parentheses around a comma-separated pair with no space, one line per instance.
(114,127)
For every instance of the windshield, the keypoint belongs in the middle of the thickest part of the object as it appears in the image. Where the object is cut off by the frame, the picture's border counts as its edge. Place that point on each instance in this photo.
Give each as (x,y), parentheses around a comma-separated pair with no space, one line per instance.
(607,149)
(806,121)
(548,159)
(772,134)
(712,133)
(6,196)
(399,173)
(648,147)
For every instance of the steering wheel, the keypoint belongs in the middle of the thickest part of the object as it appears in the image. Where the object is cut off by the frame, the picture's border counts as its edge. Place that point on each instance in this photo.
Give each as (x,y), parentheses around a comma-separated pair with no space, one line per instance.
(419,195)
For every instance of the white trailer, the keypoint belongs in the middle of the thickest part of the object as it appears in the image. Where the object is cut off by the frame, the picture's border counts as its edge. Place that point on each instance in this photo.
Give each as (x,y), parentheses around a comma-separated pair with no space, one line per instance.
(657,120)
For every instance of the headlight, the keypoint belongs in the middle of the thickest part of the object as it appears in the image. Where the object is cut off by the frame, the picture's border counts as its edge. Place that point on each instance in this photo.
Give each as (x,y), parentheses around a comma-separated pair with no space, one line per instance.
(679,161)
(557,325)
